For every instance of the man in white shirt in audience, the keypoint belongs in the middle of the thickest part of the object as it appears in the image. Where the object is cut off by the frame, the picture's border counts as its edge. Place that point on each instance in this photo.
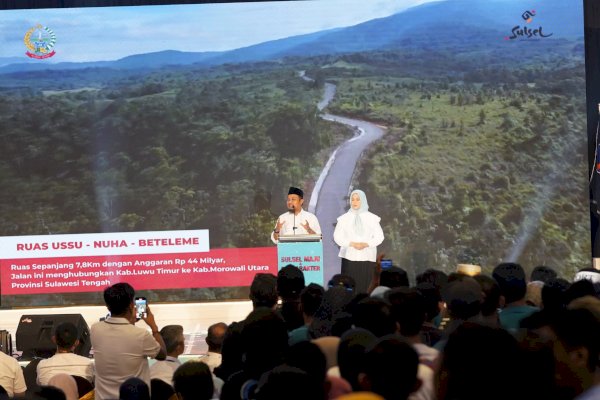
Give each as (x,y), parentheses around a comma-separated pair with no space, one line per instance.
(11,376)
(121,349)
(175,345)
(66,338)
(214,340)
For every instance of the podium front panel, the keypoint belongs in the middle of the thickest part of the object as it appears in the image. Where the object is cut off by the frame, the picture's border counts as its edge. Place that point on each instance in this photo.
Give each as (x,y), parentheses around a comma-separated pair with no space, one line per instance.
(308,256)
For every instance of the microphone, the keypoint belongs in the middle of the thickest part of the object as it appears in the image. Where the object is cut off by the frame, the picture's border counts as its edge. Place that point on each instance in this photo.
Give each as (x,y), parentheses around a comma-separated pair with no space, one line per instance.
(292,209)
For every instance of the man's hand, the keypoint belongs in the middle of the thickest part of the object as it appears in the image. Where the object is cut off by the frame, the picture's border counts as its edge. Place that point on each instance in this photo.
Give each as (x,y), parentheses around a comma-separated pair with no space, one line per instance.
(307,227)
(149,320)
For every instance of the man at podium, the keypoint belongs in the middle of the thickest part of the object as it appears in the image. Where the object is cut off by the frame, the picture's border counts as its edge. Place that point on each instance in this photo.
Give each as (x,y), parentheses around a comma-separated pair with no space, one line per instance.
(295,221)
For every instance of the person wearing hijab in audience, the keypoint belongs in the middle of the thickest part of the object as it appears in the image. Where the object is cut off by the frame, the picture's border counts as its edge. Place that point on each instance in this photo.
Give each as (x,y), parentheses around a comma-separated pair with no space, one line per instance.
(66,383)
(358,233)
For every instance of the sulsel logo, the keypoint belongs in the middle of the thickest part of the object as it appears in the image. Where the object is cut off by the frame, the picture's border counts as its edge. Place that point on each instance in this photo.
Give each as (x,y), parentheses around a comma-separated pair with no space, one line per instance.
(528,16)
(40,41)
(525,33)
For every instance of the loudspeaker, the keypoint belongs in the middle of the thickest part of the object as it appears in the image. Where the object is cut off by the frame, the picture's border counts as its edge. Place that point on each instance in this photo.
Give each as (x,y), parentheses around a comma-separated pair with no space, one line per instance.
(34,335)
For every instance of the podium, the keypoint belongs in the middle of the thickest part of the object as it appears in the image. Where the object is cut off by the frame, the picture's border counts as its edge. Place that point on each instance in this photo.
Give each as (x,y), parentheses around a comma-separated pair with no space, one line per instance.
(304,252)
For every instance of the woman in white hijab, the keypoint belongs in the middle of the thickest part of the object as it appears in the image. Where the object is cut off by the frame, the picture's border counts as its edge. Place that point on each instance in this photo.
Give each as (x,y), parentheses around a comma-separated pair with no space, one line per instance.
(358,234)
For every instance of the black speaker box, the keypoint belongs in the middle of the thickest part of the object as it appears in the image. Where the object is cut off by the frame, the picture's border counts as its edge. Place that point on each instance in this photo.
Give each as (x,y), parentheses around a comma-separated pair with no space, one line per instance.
(34,335)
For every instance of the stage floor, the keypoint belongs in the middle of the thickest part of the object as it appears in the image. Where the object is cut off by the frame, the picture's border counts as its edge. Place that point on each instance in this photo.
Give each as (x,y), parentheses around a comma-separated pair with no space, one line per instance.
(194,317)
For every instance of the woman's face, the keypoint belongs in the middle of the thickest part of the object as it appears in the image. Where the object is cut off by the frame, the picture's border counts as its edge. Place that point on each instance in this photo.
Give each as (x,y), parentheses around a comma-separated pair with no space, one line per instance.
(355,201)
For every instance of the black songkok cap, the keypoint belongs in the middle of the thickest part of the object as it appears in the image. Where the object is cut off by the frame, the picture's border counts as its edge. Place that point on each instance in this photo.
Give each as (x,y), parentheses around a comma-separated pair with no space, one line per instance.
(295,190)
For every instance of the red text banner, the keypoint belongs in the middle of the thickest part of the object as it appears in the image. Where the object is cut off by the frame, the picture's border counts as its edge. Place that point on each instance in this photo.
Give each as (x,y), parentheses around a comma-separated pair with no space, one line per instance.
(215,268)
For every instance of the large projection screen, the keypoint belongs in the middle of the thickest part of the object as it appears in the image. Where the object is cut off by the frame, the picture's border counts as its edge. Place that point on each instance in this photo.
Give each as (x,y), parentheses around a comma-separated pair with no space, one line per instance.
(155,144)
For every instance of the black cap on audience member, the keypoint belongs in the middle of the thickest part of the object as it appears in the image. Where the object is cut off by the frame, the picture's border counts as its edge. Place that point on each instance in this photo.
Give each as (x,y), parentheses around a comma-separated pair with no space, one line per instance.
(290,281)
(296,191)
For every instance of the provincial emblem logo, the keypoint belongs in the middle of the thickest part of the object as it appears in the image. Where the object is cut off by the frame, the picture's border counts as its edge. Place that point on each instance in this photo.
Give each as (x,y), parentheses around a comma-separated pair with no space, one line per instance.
(40,41)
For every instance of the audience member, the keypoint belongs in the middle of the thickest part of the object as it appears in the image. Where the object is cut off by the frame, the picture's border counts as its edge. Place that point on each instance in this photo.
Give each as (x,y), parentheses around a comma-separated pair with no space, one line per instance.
(311,298)
(553,294)
(66,338)
(290,282)
(542,273)
(121,349)
(513,287)
(11,376)
(134,389)
(174,340)
(193,381)
(351,354)
(214,340)
(533,295)
(263,291)
(480,362)
(290,383)
(491,300)
(390,369)
(66,383)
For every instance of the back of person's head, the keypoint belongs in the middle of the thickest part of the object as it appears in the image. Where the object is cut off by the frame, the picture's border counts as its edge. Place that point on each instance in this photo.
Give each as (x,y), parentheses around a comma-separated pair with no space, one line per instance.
(332,313)
(290,282)
(432,297)
(118,298)
(290,383)
(311,298)
(308,357)
(542,273)
(351,354)
(475,357)
(345,281)
(390,368)
(265,341)
(193,381)
(215,335)
(463,297)
(394,277)
(263,290)
(512,281)
(374,315)
(434,276)
(47,393)
(66,335)
(553,293)
(173,337)
(579,289)
(590,303)
(491,294)
(408,310)
(134,389)
(232,352)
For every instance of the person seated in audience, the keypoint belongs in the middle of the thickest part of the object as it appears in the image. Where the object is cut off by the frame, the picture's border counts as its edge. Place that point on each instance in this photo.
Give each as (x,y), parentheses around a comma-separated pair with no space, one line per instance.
(134,389)
(193,381)
(374,315)
(481,362)
(542,273)
(121,349)
(491,300)
(264,341)
(289,383)
(214,340)
(390,369)
(290,282)
(513,287)
(553,294)
(310,301)
(11,376)
(66,338)
(463,298)
(263,291)
(175,344)
(66,383)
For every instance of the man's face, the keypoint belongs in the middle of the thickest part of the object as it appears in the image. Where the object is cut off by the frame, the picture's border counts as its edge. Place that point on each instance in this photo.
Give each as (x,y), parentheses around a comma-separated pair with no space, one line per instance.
(294,201)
